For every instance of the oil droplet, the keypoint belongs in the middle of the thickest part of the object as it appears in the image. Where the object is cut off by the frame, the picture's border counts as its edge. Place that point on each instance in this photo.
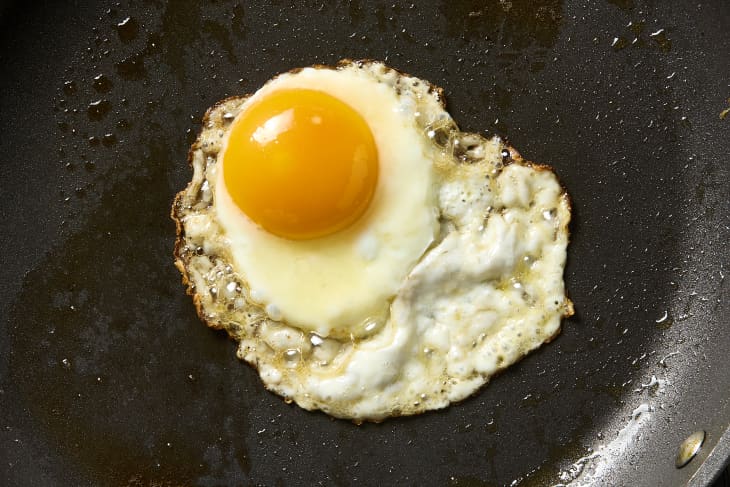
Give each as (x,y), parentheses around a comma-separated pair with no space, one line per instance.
(316,340)
(661,39)
(109,140)
(98,109)
(637,27)
(127,29)
(292,357)
(619,43)
(69,87)
(102,84)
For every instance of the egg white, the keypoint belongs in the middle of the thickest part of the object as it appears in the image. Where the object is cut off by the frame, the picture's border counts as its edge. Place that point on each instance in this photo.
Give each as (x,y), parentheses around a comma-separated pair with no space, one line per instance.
(485,292)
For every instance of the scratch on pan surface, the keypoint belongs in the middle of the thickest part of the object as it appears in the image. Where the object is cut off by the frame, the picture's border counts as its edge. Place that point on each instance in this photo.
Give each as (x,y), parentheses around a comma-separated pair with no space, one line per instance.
(598,463)
(594,467)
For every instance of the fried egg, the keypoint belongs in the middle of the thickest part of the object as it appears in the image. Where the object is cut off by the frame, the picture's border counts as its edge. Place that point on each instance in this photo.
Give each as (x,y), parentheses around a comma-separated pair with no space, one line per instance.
(370,259)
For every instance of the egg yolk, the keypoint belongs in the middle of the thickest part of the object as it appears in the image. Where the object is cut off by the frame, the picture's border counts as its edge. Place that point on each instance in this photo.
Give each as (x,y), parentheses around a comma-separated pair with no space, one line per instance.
(301,164)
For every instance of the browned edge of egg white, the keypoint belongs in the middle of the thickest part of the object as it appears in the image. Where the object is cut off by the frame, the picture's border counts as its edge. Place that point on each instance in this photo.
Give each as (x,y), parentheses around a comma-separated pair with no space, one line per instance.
(512,157)
(515,156)
(180,230)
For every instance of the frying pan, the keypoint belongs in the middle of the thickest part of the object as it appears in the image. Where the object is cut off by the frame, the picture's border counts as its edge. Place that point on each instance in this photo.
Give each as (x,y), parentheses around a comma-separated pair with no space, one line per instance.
(109,378)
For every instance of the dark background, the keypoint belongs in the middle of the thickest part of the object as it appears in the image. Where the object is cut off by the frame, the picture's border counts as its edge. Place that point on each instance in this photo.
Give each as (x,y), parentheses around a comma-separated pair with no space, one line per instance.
(108,378)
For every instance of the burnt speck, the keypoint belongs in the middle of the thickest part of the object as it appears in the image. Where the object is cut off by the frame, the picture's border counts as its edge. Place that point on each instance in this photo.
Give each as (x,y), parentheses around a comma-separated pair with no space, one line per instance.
(102,84)
(69,87)
(98,109)
(127,29)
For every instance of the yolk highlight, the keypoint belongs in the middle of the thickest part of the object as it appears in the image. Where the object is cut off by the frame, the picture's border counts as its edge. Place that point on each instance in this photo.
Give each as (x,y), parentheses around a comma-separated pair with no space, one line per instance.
(301,164)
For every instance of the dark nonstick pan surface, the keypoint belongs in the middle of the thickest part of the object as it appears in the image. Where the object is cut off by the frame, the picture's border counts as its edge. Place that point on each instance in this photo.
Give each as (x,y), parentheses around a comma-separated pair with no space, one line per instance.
(107,375)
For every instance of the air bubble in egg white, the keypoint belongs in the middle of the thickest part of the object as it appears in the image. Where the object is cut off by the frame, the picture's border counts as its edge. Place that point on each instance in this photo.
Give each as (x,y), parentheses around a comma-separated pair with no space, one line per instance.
(206,192)
(274,312)
(292,357)
(371,325)
(232,289)
(256,296)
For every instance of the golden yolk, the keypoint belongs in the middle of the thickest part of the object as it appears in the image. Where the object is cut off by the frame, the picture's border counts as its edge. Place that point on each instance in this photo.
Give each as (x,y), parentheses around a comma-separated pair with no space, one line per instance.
(301,164)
